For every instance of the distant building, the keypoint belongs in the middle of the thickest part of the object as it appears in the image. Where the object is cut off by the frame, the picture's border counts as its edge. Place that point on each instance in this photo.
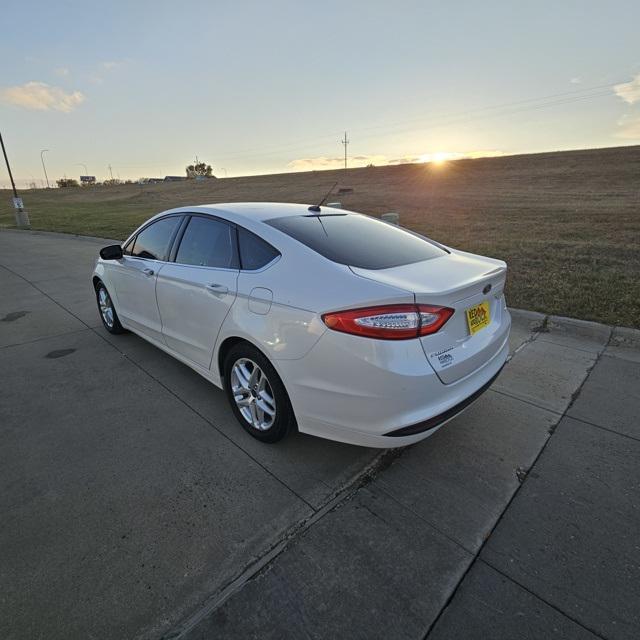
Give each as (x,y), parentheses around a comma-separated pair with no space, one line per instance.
(174,178)
(155,180)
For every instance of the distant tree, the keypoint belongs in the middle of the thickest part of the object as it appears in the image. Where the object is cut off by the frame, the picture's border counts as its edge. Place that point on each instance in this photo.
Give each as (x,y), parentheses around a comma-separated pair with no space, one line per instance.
(111,182)
(200,169)
(67,182)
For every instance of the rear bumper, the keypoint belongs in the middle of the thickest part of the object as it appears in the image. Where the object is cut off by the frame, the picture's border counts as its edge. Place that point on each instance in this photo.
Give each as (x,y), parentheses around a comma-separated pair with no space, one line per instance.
(440,419)
(375,393)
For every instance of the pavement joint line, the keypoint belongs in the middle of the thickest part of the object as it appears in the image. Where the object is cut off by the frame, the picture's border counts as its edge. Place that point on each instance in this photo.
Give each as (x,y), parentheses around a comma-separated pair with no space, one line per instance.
(529,402)
(55,335)
(576,393)
(164,386)
(552,430)
(422,518)
(607,429)
(535,332)
(206,420)
(543,600)
(254,569)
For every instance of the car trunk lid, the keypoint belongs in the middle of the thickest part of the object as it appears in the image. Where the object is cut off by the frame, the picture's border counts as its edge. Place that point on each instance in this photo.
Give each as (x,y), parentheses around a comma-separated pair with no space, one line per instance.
(461,281)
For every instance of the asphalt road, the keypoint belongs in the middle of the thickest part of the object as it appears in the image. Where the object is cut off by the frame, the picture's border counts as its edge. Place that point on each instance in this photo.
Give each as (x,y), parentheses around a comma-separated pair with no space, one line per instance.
(133,506)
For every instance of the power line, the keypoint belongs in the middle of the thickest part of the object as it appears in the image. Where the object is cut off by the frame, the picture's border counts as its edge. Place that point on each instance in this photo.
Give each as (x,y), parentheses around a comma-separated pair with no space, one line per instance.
(528,104)
(428,122)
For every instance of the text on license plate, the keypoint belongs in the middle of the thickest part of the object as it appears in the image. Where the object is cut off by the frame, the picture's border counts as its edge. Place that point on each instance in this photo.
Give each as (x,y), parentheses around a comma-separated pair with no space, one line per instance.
(478,317)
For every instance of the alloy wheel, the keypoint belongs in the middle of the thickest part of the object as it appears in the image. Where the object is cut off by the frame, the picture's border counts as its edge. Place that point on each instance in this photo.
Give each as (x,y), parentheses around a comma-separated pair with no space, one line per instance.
(106,307)
(253,394)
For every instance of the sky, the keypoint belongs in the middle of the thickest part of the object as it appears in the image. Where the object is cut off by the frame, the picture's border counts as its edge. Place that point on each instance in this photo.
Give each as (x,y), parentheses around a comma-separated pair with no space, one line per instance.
(268,87)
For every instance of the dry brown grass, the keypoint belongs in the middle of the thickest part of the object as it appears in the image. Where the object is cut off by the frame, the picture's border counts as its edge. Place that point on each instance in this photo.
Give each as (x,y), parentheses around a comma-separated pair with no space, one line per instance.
(567,223)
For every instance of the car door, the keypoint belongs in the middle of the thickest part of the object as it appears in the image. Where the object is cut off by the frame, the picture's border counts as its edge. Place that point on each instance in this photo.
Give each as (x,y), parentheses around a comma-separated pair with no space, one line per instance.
(196,290)
(134,276)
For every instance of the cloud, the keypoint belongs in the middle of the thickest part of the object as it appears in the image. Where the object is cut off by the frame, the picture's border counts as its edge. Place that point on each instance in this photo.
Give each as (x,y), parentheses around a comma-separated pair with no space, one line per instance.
(61,71)
(40,96)
(575,80)
(322,162)
(110,65)
(629,91)
(629,127)
(404,160)
(486,153)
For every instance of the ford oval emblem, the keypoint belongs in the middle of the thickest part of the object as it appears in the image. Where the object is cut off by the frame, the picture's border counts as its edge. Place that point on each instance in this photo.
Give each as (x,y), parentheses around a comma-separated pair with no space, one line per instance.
(487,289)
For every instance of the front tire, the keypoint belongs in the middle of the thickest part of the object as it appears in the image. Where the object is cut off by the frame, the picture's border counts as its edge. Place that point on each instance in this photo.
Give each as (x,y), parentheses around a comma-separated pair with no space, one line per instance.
(257,395)
(107,311)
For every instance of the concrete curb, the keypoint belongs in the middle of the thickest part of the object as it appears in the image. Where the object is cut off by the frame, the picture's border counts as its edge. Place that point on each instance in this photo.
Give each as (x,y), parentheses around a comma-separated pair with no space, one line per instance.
(627,336)
(58,234)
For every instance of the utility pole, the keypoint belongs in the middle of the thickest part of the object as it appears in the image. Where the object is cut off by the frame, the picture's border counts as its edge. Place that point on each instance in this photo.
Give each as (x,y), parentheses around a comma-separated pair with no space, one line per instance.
(345,141)
(110,172)
(43,167)
(22,217)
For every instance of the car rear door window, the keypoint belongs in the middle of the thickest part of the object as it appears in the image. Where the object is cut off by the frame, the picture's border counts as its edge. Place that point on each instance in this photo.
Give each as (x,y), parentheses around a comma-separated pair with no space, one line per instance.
(208,242)
(255,252)
(358,240)
(154,241)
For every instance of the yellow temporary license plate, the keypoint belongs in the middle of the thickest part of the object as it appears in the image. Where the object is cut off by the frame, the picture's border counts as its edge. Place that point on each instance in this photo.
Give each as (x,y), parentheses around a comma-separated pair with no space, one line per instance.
(478,317)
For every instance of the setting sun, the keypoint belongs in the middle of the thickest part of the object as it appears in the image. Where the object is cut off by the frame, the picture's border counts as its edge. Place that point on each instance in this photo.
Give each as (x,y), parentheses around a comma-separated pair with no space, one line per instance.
(439,157)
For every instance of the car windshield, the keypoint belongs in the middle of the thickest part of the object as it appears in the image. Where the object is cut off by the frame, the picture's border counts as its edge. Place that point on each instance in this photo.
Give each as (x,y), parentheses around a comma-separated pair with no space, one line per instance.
(358,240)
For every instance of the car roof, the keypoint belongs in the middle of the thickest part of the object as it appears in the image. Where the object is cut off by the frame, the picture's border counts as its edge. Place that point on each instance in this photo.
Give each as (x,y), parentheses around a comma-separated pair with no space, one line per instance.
(251,215)
(257,211)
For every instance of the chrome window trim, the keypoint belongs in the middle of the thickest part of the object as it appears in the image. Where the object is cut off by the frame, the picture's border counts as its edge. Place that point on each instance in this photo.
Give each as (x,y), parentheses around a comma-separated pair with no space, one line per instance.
(188,214)
(203,266)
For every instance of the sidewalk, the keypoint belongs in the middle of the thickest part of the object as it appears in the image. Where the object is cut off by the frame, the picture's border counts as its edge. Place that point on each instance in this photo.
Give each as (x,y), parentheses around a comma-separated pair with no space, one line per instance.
(520,519)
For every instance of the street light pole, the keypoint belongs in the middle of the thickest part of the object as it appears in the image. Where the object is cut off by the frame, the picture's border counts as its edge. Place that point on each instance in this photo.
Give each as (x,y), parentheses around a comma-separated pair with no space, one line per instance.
(22,217)
(43,167)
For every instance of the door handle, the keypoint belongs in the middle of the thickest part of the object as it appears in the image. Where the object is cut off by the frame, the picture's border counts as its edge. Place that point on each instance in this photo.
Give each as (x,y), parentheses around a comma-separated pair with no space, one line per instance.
(148,272)
(217,289)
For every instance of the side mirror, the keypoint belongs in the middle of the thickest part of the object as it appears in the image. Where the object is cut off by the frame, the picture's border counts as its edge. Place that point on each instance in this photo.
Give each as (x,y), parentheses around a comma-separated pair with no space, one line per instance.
(112,252)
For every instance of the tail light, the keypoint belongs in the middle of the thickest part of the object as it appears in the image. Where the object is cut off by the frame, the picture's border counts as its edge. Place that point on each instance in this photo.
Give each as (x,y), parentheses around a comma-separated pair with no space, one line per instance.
(390,322)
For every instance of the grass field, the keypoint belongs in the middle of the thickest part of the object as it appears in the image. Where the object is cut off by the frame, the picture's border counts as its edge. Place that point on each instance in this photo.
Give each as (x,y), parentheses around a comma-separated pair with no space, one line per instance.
(567,223)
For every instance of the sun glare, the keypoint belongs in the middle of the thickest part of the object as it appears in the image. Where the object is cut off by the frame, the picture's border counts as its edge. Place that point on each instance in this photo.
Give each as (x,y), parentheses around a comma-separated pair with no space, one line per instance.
(438,157)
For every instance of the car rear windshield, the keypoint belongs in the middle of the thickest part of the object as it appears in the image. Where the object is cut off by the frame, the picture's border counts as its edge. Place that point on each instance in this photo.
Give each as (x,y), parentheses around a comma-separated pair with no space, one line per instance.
(358,240)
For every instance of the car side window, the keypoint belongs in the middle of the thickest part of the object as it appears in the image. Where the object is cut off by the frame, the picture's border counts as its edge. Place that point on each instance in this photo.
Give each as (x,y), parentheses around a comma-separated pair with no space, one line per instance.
(208,242)
(255,252)
(153,242)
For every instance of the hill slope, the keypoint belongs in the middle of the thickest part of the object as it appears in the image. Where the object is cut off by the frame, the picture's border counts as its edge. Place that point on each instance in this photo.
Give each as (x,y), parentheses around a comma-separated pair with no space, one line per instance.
(568,223)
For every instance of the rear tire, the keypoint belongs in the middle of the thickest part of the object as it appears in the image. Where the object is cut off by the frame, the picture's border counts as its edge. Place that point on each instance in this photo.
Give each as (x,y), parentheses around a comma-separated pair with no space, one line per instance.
(107,310)
(257,395)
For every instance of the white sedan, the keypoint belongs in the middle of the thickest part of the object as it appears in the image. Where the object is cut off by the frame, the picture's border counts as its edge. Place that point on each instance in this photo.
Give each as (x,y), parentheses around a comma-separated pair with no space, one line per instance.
(313,319)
